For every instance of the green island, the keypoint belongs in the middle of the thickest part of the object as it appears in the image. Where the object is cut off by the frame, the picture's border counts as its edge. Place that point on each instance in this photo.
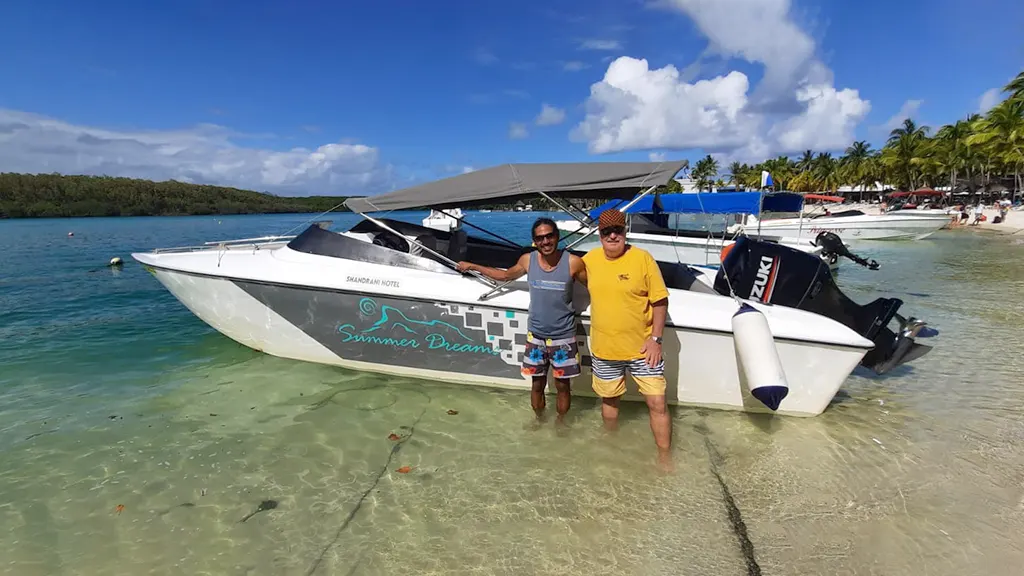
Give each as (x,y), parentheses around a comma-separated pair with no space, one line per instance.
(56,196)
(72,196)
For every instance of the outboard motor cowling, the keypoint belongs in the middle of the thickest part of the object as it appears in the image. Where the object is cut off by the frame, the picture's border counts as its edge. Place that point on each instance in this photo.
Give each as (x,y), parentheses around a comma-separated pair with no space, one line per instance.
(776,274)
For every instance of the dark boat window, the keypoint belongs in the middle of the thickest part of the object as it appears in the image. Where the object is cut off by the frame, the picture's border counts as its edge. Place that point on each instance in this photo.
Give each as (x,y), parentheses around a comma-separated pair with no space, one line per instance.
(839,214)
(393,250)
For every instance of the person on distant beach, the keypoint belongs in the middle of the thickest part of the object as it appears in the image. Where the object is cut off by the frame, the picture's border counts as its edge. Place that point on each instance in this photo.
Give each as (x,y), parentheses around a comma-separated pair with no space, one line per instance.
(551,321)
(628,309)
(979,211)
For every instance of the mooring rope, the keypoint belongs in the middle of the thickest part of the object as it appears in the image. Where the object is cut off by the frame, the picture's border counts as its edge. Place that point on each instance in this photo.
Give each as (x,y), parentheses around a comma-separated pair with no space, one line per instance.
(739,528)
(383,470)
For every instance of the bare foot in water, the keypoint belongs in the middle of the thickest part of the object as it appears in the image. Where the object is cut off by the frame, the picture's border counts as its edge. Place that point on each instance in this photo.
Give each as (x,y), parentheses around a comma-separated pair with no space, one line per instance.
(665,461)
(537,421)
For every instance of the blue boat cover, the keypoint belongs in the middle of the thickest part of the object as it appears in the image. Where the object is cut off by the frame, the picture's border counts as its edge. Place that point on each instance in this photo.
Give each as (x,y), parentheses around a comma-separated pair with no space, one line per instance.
(709,203)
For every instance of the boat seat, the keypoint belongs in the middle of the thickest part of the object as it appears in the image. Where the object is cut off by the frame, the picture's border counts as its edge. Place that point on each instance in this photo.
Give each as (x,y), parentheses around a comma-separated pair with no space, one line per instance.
(458,245)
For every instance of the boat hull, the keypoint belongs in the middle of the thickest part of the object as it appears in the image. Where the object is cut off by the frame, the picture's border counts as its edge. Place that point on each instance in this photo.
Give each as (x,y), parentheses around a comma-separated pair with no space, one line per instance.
(477,344)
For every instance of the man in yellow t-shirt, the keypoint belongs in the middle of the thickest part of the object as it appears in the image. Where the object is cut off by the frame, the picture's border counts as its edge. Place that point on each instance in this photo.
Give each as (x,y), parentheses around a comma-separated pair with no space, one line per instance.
(628,308)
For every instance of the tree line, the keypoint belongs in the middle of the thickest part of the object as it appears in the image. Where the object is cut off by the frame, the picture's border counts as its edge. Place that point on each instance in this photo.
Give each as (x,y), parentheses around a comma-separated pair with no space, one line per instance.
(56,195)
(969,154)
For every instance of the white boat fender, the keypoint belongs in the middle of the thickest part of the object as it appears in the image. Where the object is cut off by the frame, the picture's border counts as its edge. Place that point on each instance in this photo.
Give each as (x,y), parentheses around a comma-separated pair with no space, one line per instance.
(115,261)
(758,357)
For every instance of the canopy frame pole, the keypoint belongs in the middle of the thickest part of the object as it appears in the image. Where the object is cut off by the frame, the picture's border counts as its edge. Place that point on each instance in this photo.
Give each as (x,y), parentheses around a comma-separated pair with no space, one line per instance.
(593,229)
(800,227)
(623,210)
(448,260)
(567,211)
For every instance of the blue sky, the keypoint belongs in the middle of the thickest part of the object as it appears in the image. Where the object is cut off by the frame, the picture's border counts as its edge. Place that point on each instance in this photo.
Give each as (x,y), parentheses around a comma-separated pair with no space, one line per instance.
(310,97)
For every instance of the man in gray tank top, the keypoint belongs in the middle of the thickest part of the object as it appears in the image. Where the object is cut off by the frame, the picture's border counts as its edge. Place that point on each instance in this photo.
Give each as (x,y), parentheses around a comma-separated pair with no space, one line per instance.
(551,336)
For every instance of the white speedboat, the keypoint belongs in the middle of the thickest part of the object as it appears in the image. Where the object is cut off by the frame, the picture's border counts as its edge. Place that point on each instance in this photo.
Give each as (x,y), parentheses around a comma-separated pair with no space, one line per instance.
(445,220)
(852,225)
(660,230)
(383,296)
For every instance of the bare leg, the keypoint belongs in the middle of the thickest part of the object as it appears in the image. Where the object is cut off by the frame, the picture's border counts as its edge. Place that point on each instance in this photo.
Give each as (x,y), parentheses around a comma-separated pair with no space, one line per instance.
(661,423)
(537,394)
(610,412)
(564,398)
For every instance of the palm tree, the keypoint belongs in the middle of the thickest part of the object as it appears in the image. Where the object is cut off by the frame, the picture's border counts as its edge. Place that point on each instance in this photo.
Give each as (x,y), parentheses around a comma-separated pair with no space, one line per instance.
(856,166)
(737,172)
(705,172)
(903,152)
(1016,87)
(951,148)
(1000,133)
(806,161)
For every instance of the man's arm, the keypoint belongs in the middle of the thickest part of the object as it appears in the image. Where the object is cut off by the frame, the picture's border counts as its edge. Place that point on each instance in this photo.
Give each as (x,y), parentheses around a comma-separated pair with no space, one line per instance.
(658,294)
(578,269)
(514,272)
(659,311)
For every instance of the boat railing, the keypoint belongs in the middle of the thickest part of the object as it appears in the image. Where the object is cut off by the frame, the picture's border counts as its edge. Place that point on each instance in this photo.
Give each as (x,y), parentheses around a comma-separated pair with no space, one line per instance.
(240,243)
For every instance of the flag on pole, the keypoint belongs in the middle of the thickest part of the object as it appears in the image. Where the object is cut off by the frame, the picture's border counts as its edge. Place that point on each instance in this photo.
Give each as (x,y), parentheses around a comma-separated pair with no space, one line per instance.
(766,179)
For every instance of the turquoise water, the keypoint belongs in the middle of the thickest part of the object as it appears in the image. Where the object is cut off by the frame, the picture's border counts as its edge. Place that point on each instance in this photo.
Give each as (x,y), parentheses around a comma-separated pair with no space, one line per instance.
(112,393)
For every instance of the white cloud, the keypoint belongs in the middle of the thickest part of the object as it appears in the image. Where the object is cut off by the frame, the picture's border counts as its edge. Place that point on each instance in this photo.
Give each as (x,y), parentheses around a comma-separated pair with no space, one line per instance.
(795,105)
(600,44)
(517,131)
(550,116)
(484,57)
(757,31)
(656,156)
(573,66)
(909,109)
(521,94)
(827,123)
(989,100)
(205,154)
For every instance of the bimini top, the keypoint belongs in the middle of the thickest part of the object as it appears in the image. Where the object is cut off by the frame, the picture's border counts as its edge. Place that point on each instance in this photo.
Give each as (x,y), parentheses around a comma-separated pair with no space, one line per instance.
(511,181)
(709,203)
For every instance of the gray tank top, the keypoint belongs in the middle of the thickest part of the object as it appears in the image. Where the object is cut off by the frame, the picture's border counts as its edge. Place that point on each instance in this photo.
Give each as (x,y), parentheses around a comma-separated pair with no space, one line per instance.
(551,312)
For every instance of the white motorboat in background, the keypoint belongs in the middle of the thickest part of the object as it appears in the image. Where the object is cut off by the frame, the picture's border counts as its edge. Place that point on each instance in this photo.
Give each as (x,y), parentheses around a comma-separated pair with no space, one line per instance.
(384,296)
(446,220)
(663,230)
(851,225)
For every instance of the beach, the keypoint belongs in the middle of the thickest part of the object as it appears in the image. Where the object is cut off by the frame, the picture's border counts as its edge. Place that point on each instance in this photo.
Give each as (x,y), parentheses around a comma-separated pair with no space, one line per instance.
(137,440)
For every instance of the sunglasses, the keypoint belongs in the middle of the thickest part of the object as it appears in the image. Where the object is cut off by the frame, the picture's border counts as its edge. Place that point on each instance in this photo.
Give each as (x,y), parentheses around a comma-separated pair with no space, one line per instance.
(548,236)
(612,230)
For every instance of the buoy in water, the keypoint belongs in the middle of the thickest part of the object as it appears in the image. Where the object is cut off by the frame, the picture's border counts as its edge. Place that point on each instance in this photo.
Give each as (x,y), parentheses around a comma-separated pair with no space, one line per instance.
(758,357)
(70,234)
(115,261)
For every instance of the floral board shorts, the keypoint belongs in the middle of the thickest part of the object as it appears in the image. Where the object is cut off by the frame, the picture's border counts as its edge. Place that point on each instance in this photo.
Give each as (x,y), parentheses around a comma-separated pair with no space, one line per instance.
(561,354)
(610,377)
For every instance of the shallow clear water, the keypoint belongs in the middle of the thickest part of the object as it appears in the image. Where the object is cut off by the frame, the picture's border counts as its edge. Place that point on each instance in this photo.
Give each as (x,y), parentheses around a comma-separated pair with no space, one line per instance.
(112,393)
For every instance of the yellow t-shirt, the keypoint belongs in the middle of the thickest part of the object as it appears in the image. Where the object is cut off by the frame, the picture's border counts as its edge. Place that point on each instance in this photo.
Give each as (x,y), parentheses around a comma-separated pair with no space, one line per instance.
(621,293)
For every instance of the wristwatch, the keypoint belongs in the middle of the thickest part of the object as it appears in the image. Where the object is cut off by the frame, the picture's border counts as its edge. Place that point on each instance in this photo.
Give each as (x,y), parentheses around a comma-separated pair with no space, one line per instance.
(657,339)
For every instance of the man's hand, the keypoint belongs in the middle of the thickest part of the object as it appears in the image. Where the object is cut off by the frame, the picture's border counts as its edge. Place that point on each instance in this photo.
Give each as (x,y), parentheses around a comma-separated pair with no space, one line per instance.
(465,266)
(652,352)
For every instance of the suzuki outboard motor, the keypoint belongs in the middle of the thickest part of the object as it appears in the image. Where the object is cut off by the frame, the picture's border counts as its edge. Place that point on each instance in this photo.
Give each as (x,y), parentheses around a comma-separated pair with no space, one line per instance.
(833,247)
(777,274)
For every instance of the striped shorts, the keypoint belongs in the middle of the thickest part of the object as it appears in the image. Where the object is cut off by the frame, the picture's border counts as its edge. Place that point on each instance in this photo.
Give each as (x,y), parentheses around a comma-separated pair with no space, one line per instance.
(610,377)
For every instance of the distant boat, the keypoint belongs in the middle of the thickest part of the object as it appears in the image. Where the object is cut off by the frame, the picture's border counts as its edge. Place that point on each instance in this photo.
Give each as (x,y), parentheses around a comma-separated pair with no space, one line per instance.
(446,221)
(850,224)
(658,230)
